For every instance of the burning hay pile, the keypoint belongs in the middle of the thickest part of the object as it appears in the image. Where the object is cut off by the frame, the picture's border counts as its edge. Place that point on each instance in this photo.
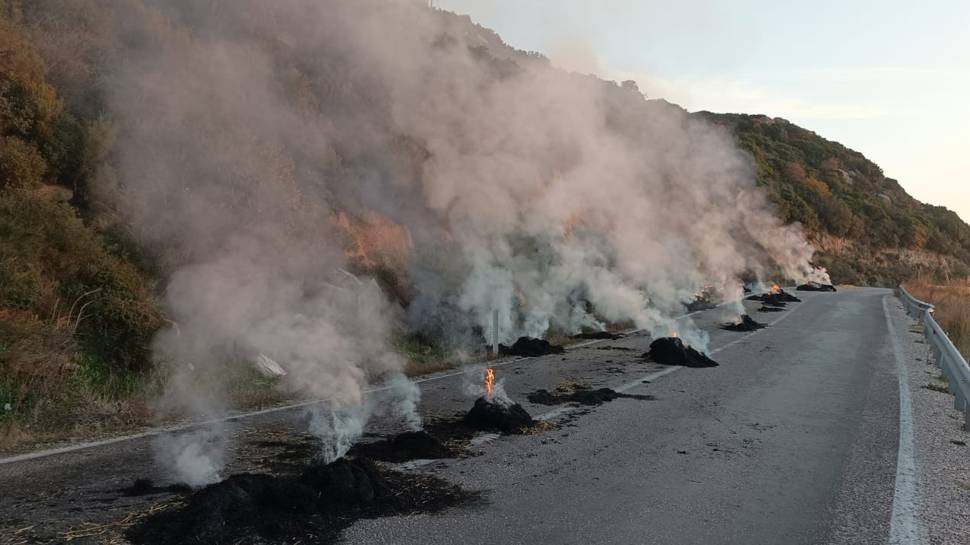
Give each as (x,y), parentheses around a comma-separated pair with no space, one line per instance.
(744,323)
(529,347)
(499,415)
(320,502)
(494,411)
(673,351)
(775,300)
(776,297)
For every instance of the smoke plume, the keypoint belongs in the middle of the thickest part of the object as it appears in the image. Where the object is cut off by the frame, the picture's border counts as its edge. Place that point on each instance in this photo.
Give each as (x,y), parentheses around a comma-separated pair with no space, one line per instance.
(249,131)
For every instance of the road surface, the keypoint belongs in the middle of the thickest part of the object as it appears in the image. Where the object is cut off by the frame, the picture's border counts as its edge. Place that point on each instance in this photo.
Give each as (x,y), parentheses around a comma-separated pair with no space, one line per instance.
(794,439)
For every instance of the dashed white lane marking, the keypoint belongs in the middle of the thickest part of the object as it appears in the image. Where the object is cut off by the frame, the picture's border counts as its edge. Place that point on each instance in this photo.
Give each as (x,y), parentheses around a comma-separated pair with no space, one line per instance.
(905,527)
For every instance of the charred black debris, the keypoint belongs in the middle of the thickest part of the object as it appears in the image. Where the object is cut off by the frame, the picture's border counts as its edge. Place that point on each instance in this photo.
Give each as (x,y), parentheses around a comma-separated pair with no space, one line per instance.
(411,445)
(582,396)
(319,502)
(778,299)
(673,351)
(816,286)
(746,323)
(499,415)
(530,347)
(598,335)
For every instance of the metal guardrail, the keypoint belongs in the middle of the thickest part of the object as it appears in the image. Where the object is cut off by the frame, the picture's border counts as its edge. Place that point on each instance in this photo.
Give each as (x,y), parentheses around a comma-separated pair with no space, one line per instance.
(945,354)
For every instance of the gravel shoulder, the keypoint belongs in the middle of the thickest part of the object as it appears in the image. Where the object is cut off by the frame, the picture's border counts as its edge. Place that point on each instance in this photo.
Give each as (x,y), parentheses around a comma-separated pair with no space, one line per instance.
(942,446)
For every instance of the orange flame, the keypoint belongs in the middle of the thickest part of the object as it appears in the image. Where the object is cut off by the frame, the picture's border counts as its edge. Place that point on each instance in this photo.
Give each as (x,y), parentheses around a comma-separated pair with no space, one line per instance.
(489,382)
(775,288)
(674,334)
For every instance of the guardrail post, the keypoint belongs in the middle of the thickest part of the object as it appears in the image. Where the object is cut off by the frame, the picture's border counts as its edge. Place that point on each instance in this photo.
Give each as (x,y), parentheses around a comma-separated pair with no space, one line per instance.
(953,366)
(495,332)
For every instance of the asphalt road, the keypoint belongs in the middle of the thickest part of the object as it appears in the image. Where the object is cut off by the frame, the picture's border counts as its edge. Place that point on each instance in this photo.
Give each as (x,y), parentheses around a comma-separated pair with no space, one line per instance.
(793,439)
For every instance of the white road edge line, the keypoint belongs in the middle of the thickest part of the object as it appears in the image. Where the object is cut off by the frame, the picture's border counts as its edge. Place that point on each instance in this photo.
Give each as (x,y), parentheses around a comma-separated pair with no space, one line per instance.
(182,427)
(905,527)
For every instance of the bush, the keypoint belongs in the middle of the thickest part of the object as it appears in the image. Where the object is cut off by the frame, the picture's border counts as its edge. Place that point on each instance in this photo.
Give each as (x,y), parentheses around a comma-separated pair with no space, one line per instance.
(49,260)
(21,165)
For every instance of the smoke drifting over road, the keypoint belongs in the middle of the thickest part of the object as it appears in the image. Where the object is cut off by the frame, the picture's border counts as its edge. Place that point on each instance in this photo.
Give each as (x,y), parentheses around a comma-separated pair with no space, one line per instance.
(246,127)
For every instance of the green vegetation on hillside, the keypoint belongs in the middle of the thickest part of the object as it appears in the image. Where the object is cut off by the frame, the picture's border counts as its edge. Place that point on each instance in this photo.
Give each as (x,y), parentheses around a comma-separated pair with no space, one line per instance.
(836,192)
(76,316)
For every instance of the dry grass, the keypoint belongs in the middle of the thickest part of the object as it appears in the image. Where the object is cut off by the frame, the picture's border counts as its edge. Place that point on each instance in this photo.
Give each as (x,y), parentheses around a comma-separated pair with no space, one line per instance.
(952,302)
(937,387)
(112,532)
(417,368)
(540,426)
(570,386)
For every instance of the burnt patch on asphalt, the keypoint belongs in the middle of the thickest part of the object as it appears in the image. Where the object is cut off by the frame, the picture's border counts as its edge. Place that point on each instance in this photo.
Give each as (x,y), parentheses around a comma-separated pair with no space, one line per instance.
(599,335)
(618,348)
(289,454)
(499,415)
(412,445)
(302,447)
(530,347)
(771,309)
(673,351)
(146,487)
(816,286)
(770,301)
(458,431)
(314,506)
(778,298)
(746,323)
(582,396)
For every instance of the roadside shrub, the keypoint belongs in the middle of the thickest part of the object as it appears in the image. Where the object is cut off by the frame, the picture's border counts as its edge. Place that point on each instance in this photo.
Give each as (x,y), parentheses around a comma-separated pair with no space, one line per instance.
(21,165)
(49,261)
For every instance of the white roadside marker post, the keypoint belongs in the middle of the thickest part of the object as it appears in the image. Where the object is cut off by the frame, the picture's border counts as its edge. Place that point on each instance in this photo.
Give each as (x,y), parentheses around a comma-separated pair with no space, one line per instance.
(495,332)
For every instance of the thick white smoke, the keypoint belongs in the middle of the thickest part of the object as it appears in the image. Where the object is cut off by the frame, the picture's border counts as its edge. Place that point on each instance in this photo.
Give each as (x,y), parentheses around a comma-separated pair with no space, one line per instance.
(560,200)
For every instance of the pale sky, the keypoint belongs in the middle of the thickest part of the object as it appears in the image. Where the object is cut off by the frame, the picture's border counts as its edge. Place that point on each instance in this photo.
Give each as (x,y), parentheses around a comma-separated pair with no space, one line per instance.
(888,78)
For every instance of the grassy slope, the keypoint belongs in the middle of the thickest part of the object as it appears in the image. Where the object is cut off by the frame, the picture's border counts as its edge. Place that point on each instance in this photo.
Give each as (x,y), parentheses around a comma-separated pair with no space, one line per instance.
(76,313)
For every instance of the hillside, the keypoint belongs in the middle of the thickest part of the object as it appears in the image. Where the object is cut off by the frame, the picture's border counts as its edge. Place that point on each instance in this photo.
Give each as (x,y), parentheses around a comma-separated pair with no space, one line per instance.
(186,186)
(868,229)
